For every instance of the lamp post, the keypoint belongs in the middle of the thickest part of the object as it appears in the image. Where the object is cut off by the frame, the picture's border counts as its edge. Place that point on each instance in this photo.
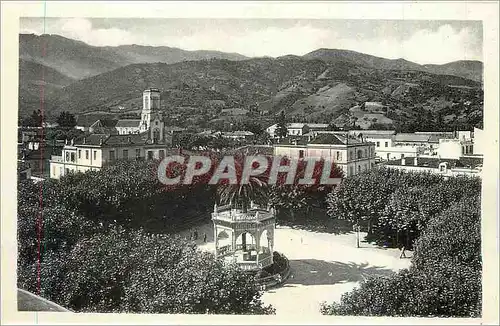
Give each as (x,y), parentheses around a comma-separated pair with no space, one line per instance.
(357,234)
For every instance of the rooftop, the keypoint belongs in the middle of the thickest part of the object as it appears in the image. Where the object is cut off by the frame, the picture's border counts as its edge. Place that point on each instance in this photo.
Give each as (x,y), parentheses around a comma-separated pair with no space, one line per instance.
(105,123)
(317,125)
(335,139)
(373,132)
(429,162)
(295,125)
(128,123)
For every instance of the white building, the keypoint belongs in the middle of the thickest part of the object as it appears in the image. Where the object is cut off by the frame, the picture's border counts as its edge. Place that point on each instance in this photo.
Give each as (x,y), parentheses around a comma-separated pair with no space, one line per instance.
(128,126)
(455,148)
(480,142)
(97,150)
(350,154)
(293,129)
(471,166)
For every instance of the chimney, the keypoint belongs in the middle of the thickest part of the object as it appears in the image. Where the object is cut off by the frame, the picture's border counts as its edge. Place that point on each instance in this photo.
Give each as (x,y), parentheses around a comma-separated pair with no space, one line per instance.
(66,141)
(403,161)
(84,140)
(72,141)
(100,141)
(415,161)
(129,140)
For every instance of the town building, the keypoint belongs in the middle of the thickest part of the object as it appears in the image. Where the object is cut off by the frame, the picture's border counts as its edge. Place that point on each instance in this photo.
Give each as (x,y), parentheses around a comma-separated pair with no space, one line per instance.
(238,135)
(455,148)
(128,126)
(94,151)
(351,154)
(103,126)
(480,142)
(293,129)
(470,166)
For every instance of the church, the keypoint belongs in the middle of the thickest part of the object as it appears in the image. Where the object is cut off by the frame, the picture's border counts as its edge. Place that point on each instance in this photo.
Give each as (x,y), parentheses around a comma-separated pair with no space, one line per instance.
(145,140)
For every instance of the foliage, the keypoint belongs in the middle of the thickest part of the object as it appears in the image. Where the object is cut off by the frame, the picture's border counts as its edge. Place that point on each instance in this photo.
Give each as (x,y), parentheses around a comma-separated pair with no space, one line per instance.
(66,120)
(132,271)
(281,129)
(34,120)
(396,205)
(94,257)
(445,277)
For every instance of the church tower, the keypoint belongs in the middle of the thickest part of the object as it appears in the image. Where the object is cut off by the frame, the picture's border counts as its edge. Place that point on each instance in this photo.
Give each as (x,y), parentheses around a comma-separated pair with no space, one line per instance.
(150,106)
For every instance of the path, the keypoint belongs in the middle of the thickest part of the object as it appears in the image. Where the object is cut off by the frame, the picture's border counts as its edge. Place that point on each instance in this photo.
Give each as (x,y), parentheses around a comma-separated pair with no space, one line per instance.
(324,266)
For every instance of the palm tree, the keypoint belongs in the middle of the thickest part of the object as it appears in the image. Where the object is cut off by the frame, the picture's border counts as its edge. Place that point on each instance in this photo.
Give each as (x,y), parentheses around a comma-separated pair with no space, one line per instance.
(241,195)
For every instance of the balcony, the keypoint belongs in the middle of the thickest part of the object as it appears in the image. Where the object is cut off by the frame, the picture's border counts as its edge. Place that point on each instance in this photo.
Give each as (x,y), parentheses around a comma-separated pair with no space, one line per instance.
(248,261)
(228,214)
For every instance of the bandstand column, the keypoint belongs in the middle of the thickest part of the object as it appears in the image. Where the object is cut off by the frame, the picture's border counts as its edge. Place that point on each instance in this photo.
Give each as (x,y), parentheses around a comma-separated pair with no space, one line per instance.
(257,245)
(234,235)
(216,240)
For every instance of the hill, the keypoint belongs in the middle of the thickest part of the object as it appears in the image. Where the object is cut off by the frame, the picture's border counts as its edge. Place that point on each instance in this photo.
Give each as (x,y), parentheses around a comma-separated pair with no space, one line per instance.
(33,77)
(307,89)
(79,60)
(466,68)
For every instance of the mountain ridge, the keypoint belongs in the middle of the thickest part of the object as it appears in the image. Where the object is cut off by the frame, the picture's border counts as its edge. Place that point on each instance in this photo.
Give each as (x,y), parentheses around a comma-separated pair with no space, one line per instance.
(107,58)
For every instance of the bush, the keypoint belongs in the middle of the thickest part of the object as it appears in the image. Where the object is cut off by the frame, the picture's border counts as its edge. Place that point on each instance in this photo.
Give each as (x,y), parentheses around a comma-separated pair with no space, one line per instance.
(279,264)
(132,271)
(443,281)
(396,205)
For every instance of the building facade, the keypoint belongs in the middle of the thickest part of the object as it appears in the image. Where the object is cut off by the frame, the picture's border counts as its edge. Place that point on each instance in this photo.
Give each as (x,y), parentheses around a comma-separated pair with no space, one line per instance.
(470,166)
(350,154)
(94,151)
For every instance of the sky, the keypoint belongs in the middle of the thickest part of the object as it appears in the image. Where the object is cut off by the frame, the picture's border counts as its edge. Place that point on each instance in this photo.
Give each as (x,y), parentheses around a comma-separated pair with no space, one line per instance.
(419,41)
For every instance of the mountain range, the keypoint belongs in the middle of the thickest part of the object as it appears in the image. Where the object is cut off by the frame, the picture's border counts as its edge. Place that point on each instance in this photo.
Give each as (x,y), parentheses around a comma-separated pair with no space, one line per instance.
(326,84)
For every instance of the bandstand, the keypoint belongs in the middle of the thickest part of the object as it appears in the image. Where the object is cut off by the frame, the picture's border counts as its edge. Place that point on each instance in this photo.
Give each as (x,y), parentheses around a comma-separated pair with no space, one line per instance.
(245,238)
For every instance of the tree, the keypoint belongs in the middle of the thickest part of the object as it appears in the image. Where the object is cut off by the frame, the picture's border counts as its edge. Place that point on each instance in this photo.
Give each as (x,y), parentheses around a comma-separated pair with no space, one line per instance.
(66,120)
(135,272)
(281,125)
(34,120)
(443,281)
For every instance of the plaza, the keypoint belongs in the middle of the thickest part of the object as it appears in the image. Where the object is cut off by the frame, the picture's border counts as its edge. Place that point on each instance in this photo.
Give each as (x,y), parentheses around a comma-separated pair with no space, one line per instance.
(323,267)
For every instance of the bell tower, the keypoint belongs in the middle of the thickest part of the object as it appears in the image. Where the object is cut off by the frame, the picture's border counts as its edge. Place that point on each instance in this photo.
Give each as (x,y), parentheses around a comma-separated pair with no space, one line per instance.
(150,105)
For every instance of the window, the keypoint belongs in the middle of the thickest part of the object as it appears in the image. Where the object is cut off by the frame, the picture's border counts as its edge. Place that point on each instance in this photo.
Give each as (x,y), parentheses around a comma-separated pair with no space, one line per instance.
(137,153)
(111,155)
(162,154)
(95,155)
(359,168)
(125,153)
(301,153)
(67,156)
(87,154)
(338,156)
(386,144)
(150,155)
(67,171)
(79,153)
(442,167)
(378,144)
(388,156)
(72,157)
(402,155)
(351,170)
